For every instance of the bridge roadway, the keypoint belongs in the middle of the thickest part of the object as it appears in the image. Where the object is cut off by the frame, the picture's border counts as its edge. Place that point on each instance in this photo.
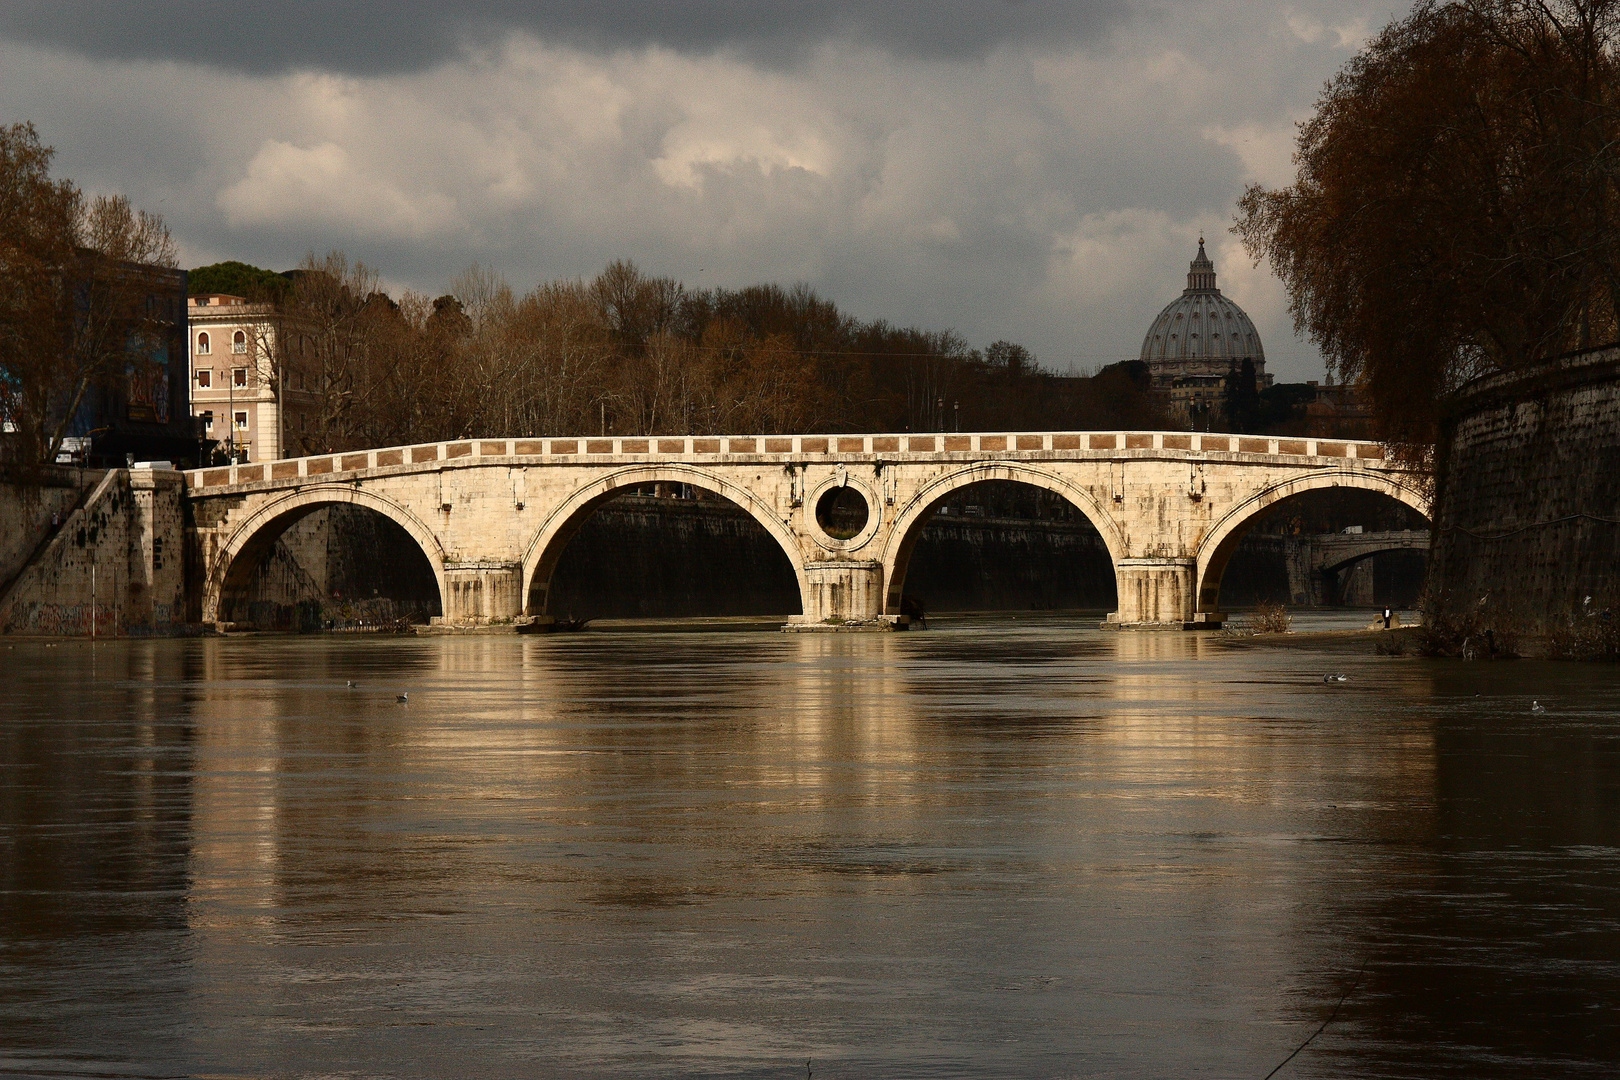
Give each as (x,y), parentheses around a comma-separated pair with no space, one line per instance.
(494,515)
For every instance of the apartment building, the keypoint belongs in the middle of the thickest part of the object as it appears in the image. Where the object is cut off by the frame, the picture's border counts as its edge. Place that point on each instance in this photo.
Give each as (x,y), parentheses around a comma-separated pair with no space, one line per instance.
(246,389)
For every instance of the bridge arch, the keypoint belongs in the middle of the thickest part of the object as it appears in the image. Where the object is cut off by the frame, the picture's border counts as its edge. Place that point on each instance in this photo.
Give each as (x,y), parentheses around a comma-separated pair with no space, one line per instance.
(545,551)
(1223,537)
(909,522)
(254,537)
(1362,553)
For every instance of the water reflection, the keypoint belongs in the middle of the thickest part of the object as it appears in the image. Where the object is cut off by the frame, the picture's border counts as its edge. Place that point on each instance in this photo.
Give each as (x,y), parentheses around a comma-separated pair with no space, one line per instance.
(95,833)
(1004,848)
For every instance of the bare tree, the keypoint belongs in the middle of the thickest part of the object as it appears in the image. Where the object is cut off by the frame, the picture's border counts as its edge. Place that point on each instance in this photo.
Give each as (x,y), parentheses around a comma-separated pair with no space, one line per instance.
(75,283)
(331,317)
(113,324)
(38,245)
(1455,209)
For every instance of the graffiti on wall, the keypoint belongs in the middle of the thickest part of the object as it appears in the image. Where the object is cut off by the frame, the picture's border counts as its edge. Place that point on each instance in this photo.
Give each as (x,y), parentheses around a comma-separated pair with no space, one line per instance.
(85,620)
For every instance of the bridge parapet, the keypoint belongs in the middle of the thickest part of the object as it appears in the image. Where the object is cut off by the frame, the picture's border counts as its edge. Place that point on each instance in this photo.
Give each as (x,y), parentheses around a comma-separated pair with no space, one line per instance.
(807,448)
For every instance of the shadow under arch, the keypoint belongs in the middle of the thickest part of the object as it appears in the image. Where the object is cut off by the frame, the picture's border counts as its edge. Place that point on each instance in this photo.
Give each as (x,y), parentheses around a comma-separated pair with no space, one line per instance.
(546,549)
(909,523)
(1224,536)
(254,538)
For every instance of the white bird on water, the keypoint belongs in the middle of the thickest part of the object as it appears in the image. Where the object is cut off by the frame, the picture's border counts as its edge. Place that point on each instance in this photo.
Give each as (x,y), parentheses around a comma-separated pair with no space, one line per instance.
(353,684)
(1536,706)
(1335,678)
(403,698)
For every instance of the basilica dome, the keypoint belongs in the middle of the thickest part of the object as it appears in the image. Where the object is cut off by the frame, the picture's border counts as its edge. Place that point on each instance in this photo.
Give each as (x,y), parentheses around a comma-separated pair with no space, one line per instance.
(1202,329)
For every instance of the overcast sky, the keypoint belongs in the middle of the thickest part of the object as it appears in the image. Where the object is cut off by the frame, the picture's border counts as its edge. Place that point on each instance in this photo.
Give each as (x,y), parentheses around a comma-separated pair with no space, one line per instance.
(1024,169)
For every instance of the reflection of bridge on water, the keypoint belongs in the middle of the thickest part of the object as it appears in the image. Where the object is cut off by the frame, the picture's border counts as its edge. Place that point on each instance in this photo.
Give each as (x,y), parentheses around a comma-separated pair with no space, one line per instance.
(493,516)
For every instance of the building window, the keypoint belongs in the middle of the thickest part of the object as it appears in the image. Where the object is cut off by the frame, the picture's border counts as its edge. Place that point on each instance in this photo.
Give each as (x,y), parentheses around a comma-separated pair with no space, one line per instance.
(208,421)
(241,421)
(202,344)
(205,378)
(239,342)
(239,376)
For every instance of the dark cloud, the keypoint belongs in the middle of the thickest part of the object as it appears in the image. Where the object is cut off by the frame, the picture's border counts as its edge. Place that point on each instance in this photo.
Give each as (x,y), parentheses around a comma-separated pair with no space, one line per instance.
(355,36)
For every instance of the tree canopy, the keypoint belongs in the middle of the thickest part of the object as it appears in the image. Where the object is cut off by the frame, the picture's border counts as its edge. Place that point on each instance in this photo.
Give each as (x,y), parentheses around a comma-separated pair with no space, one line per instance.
(74,287)
(628,353)
(237,279)
(1457,203)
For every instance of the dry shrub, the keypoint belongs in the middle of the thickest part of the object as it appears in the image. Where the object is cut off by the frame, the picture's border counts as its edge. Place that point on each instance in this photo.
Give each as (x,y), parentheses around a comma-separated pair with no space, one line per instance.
(1390,645)
(1270,618)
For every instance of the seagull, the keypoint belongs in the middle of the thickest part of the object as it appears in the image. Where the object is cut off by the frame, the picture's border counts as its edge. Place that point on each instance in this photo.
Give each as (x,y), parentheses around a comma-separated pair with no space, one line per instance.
(1536,706)
(1335,678)
(353,685)
(403,698)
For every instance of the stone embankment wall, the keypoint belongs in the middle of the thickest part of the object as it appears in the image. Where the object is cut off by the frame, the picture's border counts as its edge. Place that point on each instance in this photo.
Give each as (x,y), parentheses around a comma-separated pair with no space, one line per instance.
(1527,509)
(966,563)
(115,566)
(29,497)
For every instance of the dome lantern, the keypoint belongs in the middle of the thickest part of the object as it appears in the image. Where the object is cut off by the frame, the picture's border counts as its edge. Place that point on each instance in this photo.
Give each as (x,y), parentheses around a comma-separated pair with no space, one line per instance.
(1201,272)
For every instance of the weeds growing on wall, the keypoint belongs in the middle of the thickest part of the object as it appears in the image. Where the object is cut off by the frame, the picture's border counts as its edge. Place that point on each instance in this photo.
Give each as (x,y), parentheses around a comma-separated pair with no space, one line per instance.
(1594,636)
(1482,634)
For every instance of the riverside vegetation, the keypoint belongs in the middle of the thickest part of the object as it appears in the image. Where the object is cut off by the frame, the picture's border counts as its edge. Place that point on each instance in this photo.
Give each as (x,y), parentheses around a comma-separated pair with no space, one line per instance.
(628,353)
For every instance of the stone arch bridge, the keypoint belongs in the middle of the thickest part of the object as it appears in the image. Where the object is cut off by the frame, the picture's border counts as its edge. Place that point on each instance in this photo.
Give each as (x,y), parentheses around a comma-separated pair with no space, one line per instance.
(1314,562)
(492,516)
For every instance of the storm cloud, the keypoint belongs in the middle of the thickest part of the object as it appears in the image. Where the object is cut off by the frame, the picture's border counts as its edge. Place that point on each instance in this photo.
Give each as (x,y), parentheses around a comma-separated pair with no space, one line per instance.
(1035,171)
(405,35)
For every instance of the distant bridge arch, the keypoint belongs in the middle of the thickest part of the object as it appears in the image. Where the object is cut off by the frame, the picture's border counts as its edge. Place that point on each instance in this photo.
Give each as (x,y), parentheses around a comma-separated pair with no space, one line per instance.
(1223,538)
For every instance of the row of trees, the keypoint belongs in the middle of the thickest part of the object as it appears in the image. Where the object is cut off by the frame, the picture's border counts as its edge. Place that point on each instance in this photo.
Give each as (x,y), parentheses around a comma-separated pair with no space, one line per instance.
(74,295)
(627,353)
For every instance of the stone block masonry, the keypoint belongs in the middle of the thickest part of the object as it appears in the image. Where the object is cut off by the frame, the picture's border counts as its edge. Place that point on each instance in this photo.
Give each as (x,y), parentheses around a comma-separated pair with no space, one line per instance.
(492,517)
(1527,522)
(29,499)
(116,565)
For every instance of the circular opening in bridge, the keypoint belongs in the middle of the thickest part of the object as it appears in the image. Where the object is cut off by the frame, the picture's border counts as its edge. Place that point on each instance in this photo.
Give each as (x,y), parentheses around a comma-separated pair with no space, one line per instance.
(842,512)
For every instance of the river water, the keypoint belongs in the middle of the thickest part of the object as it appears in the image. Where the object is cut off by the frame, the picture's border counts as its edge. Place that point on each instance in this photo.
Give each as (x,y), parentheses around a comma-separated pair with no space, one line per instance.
(999,848)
